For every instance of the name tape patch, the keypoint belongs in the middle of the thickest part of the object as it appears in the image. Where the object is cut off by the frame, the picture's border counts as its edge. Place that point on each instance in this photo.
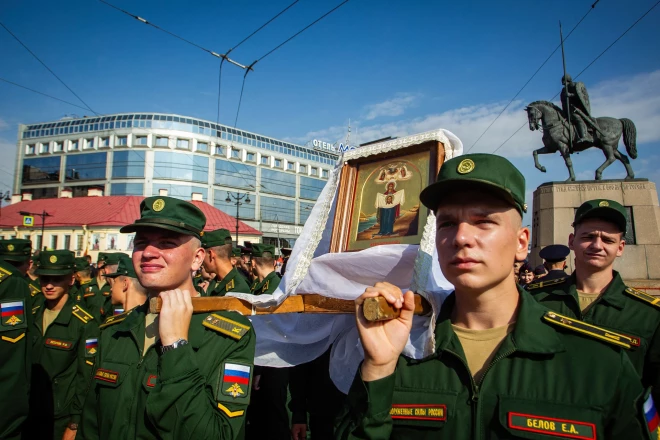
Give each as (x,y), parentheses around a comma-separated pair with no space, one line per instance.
(57,343)
(550,425)
(107,375)
(419,412)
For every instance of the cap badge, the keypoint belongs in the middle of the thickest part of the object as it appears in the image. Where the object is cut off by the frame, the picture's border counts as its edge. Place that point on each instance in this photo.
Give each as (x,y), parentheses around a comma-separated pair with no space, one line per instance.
(524,207)
(158,205)
(53,259)
(603,203)
(10,247)
(466,166)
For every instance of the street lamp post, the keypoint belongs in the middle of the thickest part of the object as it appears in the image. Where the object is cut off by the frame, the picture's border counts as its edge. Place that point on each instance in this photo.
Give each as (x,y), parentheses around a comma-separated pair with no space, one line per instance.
(236,199)
(43,216)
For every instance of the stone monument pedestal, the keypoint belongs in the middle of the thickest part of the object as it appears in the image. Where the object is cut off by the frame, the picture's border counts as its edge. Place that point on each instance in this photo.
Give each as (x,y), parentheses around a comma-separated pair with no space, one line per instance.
(554,208)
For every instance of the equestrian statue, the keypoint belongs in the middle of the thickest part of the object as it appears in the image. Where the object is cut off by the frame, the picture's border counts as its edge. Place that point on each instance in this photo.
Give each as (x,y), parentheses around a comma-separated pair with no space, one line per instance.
(572,129)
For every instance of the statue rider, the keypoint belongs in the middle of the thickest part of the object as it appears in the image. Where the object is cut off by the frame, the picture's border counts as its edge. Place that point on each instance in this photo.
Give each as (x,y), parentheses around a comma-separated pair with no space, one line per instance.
(578,105)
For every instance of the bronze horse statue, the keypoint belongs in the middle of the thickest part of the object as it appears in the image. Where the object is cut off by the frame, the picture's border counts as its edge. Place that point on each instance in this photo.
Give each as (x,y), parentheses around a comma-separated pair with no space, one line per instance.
(556,134)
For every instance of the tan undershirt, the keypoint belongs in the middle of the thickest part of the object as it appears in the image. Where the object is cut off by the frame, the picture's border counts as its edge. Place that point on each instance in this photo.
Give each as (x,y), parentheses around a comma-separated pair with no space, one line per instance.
(480,346)
(150,331)
(49,317)
(586,299)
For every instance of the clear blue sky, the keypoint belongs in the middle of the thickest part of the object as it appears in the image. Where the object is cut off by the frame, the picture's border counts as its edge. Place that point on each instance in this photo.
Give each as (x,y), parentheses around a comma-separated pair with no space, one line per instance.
(392,67)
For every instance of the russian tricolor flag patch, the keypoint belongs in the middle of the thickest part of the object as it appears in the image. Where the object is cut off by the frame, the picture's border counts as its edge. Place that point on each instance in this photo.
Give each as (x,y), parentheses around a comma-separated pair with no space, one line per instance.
(651,414)
(236,380)
(12,312)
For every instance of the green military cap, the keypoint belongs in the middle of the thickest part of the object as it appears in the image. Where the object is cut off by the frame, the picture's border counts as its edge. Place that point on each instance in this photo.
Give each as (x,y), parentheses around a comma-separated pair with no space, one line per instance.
(112,257)
(258,249)
(235,252)
(100,261)
(484,171)
(59,262)
(219,237)
(604,209)
(81,263)
(171,214)
(125,268)
(15,249)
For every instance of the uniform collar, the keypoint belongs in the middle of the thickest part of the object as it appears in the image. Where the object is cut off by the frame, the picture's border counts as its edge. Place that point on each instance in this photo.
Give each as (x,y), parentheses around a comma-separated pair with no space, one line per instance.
(221,283)
(133,320)
(612,295)
(260,285)
(530,334)
(65,313)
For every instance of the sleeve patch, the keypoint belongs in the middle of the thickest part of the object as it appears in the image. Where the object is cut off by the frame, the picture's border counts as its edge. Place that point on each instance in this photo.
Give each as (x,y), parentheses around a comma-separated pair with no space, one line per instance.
(588,329)
(643,296)
(12,313)
(13,340)
(226,326)
(234,382)
(91,347)
(89,362)
(229,413)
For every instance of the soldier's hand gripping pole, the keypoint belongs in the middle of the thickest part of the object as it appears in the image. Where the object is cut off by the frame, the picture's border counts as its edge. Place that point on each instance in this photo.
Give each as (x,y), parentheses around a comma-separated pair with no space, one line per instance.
(374,309)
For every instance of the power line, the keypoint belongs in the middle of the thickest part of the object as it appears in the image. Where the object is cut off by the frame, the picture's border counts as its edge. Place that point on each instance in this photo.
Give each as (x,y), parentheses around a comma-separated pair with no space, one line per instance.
(47,68)
(145,21)
(44,94)
(532,77)
(589,65)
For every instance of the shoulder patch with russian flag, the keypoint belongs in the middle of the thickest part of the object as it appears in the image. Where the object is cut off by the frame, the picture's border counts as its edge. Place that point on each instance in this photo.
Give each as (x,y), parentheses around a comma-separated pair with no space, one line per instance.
(651,414)
(91,347)
(12,313)
(117,312)
(235,382)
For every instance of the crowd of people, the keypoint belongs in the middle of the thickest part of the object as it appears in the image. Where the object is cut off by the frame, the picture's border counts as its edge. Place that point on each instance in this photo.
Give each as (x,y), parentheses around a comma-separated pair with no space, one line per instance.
(572,356)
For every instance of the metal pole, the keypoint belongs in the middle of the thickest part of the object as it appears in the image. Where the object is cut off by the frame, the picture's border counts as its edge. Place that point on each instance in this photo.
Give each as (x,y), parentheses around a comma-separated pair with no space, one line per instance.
(43,225)
(238,201)
(568,108)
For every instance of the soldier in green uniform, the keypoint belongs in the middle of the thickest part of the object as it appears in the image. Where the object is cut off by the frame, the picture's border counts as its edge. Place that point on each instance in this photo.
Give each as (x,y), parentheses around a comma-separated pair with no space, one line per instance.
(504,366)
(15,335)
(266,279)
(92,297)
(172,375)
(596,293)
(32,278)
(218,248)
(16,252)
(127,292)
(64,343)
(110,261)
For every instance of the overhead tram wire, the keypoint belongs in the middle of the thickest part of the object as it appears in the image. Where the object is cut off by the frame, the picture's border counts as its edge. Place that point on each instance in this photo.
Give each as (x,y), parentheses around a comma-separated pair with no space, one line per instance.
(47,68)
(44,94)
(593,6)
(588,65)
(147,22)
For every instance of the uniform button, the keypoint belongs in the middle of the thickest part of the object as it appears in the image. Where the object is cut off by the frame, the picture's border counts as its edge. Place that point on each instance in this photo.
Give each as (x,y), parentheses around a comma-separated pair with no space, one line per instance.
(55,381)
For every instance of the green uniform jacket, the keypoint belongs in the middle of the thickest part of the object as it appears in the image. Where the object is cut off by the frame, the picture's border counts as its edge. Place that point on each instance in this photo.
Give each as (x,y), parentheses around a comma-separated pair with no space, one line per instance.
(184,393)
(617,311)
(542,383)
(35,289)
(94,299)
(267,285)
(15,351)
(232,282)
(62,364)
(106,293)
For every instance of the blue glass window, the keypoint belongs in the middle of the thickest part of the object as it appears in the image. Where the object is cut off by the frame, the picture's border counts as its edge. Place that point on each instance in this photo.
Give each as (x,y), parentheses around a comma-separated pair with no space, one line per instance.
(183,192)
(275,182)
(128,164)
(305,210)
(170,165)
(281,210)
(245,210)
(86,166)
(126,189)
(234,174)
(41,169)
(310,188)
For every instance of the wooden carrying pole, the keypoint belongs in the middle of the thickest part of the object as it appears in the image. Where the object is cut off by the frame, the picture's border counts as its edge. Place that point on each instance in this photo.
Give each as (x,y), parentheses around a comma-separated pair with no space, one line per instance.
(374,309)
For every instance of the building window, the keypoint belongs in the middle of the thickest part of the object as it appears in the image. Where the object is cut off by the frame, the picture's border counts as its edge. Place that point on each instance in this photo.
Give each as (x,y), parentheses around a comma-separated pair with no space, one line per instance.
(265,160)
(305,210)
(220,150)
(183,144)
(276,182)
(234,174)
(315,171)
(290,166)
(278,163)
(126,189)
(182,191)
(277,210)
(247,210)
(44,147)
(67,242)
(79,242)
(251,157)
(324,174)
(203,147)
(58,147)
(181,166)
(53,242)
(140,140)
(90,166)
(121,141)
(104,142)
(162,141)
(39,237)
(235,153)
(311,188)
(128,164)
(29,149)
(302,169)
(89,143)
(73,146)
(41,169)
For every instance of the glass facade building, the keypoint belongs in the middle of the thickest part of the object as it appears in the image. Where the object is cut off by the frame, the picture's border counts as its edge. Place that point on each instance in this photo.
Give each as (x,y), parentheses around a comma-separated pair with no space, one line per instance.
(149,153)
